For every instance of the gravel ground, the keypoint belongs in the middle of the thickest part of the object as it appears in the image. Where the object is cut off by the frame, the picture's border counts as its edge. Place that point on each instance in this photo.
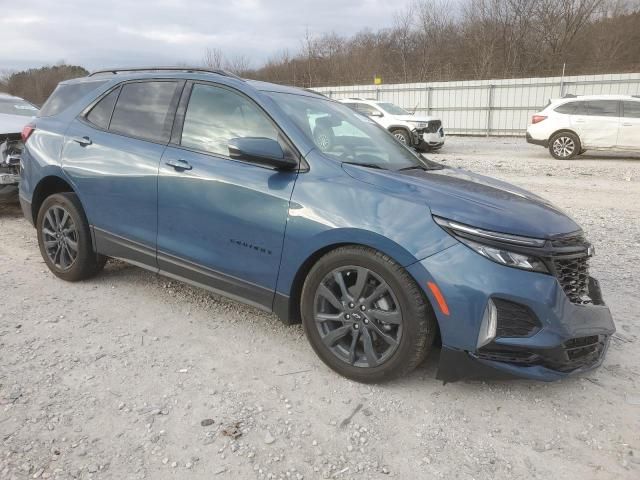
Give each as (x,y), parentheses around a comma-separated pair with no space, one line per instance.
(131,375)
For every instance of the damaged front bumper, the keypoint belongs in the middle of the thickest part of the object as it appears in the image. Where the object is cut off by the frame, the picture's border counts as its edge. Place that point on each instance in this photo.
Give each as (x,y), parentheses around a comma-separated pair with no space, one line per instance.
(541,334)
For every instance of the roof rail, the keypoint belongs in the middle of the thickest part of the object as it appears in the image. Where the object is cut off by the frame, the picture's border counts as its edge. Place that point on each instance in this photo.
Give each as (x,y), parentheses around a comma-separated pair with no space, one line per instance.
(115,71)
(570,95)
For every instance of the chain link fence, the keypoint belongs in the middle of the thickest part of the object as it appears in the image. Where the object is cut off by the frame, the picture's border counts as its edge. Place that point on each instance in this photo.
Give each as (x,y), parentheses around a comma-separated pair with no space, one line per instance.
(488,107)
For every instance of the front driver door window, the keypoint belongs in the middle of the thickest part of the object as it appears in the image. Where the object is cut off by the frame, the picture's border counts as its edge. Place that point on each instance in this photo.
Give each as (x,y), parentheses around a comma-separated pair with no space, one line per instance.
(221,221)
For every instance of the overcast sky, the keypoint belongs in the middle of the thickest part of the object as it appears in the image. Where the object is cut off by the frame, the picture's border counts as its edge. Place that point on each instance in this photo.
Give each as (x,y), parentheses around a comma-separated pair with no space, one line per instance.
(111,33)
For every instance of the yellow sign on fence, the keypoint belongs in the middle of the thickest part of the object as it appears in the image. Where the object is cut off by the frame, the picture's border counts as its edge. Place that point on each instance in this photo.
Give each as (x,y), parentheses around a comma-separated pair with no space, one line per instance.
(377,80)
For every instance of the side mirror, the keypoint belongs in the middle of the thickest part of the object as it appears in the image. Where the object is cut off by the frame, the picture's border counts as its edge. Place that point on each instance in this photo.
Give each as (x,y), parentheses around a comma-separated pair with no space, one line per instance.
(263,151)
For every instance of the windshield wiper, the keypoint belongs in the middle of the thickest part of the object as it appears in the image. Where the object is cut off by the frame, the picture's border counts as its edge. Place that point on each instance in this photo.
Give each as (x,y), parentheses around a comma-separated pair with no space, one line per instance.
(368,165)
(412,167)
(429,166)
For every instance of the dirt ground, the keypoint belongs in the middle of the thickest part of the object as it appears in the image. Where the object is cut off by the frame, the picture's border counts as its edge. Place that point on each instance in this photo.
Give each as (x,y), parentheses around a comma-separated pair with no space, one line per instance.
(132,376)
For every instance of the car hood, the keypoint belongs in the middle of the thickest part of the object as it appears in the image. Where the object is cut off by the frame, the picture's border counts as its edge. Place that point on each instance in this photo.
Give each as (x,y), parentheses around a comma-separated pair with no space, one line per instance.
(415,118)
(474,199)
(12,123)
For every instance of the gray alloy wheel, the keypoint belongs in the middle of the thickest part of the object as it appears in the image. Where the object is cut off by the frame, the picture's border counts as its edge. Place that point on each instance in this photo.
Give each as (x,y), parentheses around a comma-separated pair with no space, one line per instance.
(365,316)
(64,238)
(564,146)
(60,237)
(357,316)
(401,136)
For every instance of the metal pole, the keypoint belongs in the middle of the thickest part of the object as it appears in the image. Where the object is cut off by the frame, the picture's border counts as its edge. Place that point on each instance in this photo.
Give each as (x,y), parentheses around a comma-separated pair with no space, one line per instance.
(429,98)
(564,65)
(489,109)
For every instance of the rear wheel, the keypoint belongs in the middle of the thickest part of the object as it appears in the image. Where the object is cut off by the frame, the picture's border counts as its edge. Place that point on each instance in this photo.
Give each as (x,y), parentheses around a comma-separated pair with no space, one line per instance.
(564,145)
(65,240)
(365,316)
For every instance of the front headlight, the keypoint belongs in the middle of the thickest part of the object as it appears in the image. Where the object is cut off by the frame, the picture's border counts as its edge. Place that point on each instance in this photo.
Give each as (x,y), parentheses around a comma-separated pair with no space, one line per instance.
(495,245)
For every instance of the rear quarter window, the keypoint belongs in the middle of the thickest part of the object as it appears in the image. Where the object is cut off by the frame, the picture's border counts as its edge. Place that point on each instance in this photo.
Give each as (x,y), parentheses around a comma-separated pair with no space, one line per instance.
(66,94)
(100,114)
(567,108)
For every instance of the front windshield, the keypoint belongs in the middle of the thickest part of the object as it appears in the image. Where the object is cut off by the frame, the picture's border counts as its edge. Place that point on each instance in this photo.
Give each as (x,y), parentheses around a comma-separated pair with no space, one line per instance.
(17,106)
(341,133)
(392,108)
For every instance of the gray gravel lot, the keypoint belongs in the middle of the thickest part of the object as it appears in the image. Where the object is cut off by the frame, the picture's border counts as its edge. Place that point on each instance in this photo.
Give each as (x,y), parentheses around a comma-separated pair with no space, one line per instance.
(131,375)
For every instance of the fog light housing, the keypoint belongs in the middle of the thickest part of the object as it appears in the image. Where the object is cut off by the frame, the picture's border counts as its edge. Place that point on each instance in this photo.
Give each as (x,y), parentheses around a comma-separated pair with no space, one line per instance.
(489,324)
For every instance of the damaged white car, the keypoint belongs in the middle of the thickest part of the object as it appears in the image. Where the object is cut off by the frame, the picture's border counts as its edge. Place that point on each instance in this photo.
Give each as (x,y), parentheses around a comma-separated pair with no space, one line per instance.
(15,113)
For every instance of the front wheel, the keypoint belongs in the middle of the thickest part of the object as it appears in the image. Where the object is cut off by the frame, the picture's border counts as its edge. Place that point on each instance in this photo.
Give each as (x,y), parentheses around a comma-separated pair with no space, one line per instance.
(65,240)
(564,145)
(364,315)
(401,135)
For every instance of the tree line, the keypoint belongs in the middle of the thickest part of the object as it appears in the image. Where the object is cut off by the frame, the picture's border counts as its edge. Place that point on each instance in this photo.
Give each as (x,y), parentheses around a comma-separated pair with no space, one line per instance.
(442,40)
(433,40)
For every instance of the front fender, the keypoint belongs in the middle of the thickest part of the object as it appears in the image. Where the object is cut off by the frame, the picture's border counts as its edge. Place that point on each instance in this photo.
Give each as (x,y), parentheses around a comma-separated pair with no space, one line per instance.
(330,208)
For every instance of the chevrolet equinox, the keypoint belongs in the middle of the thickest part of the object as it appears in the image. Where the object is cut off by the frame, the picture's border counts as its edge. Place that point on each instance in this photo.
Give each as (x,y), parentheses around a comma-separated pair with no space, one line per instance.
(217,181)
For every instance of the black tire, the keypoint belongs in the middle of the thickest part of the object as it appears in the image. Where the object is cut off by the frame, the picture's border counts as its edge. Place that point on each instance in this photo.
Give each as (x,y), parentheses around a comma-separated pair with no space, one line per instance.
(564,145)
(402,136)
(86,262)
(414,333)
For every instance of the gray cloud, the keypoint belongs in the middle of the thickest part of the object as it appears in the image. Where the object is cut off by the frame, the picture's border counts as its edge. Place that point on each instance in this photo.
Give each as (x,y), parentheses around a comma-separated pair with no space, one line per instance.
(146,32)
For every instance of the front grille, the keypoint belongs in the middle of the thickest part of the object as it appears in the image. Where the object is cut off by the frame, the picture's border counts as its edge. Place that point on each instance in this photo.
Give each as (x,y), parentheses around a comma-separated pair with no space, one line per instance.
(433,126)
(515,320)
(571,355)
(573,274)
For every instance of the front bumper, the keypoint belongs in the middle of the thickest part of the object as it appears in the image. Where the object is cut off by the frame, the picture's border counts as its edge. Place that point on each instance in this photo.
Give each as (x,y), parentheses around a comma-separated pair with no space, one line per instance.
(570,338)
(428,137)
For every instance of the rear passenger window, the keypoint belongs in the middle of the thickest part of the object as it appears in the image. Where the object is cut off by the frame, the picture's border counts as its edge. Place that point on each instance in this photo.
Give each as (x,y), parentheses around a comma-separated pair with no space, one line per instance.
(567,108)
(143,111)
(601,108)
(215,115)
(631,109)
(100,114)
(66,94)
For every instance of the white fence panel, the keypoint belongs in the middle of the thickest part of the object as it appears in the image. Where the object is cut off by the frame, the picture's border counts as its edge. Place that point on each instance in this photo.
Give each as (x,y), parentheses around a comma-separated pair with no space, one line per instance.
(488,107)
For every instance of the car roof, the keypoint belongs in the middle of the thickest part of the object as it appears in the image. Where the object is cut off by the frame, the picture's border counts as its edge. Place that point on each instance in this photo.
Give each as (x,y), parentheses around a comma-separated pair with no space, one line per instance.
(187,73)
(574,98)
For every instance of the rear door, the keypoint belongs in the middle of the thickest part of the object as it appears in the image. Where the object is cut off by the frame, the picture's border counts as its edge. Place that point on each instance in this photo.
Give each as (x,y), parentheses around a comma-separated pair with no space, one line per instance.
(111,154)
(597,123)
(221,222)
(629,138)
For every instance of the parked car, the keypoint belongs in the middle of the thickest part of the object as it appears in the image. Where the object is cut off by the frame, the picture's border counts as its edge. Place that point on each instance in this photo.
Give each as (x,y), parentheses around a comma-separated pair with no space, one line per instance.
(219,182)
(15,113)
(424,133)
(572,125)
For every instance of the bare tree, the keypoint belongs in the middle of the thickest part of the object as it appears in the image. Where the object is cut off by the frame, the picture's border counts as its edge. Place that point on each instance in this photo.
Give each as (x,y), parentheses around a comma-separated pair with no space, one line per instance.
(214,59)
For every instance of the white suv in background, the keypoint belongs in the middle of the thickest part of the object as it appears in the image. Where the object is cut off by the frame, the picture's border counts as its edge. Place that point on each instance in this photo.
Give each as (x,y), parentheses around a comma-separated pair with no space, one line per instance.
(424,133)
(572,125)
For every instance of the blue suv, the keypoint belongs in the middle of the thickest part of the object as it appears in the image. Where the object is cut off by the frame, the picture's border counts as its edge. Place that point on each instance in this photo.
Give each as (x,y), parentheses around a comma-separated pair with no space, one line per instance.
(217,181)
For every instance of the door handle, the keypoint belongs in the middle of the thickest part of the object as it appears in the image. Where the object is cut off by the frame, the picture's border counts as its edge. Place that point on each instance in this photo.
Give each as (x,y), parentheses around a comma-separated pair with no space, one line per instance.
(82,141)
(627,124)
(179,165)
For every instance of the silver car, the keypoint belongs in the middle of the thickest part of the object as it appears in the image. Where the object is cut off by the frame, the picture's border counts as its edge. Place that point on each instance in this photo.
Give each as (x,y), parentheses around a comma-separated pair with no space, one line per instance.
(15,113)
